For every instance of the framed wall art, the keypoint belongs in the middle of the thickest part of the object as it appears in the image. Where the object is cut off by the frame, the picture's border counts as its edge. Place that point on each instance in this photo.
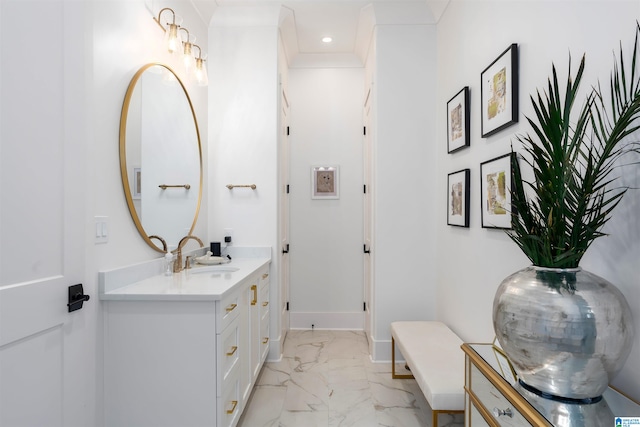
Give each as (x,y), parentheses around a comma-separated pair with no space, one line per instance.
(458,198)
(495,187)
(458,120)
(499,92)
(325,182)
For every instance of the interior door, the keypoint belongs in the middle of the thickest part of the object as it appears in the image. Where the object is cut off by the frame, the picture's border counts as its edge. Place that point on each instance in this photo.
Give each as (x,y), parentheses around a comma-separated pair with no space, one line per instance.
(47,365)
(284,216)
(367,213)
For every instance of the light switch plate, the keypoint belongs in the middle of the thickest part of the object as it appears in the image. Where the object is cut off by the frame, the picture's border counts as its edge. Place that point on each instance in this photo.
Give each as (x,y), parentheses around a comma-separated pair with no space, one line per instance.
(101,229)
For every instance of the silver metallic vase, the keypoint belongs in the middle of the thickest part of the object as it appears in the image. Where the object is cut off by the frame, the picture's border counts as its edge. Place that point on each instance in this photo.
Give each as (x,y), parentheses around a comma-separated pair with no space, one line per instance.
(567,332)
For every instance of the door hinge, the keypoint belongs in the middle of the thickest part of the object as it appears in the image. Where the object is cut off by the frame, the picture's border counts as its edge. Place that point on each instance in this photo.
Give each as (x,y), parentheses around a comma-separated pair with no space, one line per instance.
(364,130)
(287,188)
(287,130)
(287,305)
(365,188)
(365,249)
(364,306)
(285,250)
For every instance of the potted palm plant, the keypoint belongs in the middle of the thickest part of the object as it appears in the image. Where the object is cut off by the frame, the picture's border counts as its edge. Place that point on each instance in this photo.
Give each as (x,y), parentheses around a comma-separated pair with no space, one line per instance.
(568,331)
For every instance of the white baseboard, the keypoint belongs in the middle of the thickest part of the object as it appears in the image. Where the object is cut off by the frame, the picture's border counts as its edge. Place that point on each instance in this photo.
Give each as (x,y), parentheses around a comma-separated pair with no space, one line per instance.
(346,321)
(275,353)
(381,351)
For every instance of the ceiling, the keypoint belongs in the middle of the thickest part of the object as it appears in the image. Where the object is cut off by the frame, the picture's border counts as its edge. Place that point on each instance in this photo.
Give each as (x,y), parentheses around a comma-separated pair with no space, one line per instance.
(348,22)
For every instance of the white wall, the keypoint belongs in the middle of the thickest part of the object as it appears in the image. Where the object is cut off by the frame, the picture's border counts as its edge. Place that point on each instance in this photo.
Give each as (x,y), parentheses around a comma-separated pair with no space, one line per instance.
(326,235)
(406,171)
(243,122)
(472,262)
(124,37)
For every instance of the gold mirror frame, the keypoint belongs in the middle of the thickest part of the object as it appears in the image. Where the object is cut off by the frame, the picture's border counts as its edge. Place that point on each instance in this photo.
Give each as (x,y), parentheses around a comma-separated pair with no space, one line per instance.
(123,152)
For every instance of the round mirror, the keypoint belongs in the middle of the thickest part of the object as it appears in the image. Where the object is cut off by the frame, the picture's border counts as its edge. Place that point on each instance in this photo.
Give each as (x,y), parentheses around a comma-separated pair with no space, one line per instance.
(160,156)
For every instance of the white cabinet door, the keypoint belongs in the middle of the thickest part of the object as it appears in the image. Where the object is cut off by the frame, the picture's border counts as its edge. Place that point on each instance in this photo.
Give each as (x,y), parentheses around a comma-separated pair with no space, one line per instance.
(47,355)
(254,325)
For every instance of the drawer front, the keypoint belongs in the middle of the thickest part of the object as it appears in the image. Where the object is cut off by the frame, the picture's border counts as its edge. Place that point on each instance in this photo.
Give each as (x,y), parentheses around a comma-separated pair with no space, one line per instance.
(264,300)
(229,353)
(264,276)
(227,309)
(264,336)
(229,403)
(493,400)
(475,418)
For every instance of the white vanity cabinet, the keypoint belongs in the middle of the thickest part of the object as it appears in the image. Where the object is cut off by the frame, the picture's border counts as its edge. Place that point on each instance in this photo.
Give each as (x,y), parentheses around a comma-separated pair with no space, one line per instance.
(256,303)
(181,356)
(229,358)
(264,319)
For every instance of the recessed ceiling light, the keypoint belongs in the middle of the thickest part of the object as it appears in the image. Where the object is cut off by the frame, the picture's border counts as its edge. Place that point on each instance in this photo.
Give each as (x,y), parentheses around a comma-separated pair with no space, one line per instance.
(327,39)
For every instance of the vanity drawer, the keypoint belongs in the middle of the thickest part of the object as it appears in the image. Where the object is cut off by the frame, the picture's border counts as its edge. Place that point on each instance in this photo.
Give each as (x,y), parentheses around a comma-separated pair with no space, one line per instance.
(229,353)
(491,398)
(264,336)
(475,418)
(227,309)
(264,300)
(264,276)
(229,403)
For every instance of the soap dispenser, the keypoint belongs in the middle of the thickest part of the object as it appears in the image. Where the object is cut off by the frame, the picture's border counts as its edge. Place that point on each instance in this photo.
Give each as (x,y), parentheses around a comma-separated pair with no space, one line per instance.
(168,264)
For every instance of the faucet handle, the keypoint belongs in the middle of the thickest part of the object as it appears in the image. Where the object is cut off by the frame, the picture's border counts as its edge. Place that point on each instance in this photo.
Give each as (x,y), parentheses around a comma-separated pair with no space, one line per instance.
(187,262)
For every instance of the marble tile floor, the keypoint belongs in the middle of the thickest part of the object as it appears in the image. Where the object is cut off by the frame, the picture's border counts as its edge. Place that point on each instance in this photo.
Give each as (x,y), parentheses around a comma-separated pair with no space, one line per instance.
(326,379)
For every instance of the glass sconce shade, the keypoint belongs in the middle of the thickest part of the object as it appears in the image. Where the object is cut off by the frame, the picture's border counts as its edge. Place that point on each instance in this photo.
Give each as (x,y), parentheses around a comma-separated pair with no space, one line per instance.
(173,41)
(201,73)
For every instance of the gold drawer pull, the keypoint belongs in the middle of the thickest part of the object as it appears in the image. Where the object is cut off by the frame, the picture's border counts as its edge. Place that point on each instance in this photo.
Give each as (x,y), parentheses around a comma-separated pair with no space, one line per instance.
(234,404)
(265,275)
(254,289)
(266,303)
(233,350)
(231,307)
(265,340)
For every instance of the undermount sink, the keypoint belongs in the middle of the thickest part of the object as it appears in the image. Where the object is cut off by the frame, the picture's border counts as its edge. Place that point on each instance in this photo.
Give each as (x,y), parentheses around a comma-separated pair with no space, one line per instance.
(214,269)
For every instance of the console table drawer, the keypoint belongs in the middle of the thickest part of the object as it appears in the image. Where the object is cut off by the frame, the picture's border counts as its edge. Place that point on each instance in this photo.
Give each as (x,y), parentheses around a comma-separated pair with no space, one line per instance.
(503,412)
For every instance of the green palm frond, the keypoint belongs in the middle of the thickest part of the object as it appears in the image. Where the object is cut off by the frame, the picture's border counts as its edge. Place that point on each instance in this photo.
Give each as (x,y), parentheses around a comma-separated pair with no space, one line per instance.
(559,213)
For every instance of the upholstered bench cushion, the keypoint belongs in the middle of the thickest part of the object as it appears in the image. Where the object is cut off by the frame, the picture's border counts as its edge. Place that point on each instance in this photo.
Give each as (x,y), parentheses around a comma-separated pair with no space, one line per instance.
(433,354)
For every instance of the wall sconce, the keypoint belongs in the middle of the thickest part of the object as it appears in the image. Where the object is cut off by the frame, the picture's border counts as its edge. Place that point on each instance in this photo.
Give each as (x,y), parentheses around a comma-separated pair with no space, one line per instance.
(194,66)
(201,75)
(172,39)
(187,52)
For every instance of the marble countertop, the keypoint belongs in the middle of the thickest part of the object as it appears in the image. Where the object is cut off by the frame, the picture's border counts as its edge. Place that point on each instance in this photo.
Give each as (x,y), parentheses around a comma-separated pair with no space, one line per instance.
(199,283)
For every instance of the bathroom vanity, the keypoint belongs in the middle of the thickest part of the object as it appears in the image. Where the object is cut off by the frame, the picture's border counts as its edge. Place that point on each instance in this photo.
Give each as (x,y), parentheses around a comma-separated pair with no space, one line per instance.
(185,349)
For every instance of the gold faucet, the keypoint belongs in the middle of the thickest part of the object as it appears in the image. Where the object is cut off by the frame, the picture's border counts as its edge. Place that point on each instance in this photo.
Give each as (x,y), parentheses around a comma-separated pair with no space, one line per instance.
(164,242)
(177,264)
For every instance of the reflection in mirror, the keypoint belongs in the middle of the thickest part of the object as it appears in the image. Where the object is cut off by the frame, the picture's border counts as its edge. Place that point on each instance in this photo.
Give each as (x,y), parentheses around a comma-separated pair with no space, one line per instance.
(160,156)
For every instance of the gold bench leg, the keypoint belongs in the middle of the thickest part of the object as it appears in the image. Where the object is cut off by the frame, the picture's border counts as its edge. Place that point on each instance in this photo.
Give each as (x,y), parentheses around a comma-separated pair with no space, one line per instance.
(434,421)
(393,363)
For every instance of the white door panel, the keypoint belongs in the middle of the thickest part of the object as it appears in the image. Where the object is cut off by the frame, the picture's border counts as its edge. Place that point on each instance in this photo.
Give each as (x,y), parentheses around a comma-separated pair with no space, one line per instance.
(47,355)
(284,216)
(368,214)
(32,380)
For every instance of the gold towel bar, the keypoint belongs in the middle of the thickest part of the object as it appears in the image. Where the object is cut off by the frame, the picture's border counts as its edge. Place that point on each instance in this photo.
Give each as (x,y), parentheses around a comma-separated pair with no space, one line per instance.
(232,186)
(165,186)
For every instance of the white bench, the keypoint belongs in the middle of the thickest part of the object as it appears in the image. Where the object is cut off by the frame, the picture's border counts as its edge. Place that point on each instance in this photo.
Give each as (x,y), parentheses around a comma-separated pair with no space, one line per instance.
(432,353)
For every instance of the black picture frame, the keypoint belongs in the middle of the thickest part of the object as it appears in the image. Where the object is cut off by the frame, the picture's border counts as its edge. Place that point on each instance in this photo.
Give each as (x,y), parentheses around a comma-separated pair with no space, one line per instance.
(499,92)
(458,197)
(458,121)
(496,182)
